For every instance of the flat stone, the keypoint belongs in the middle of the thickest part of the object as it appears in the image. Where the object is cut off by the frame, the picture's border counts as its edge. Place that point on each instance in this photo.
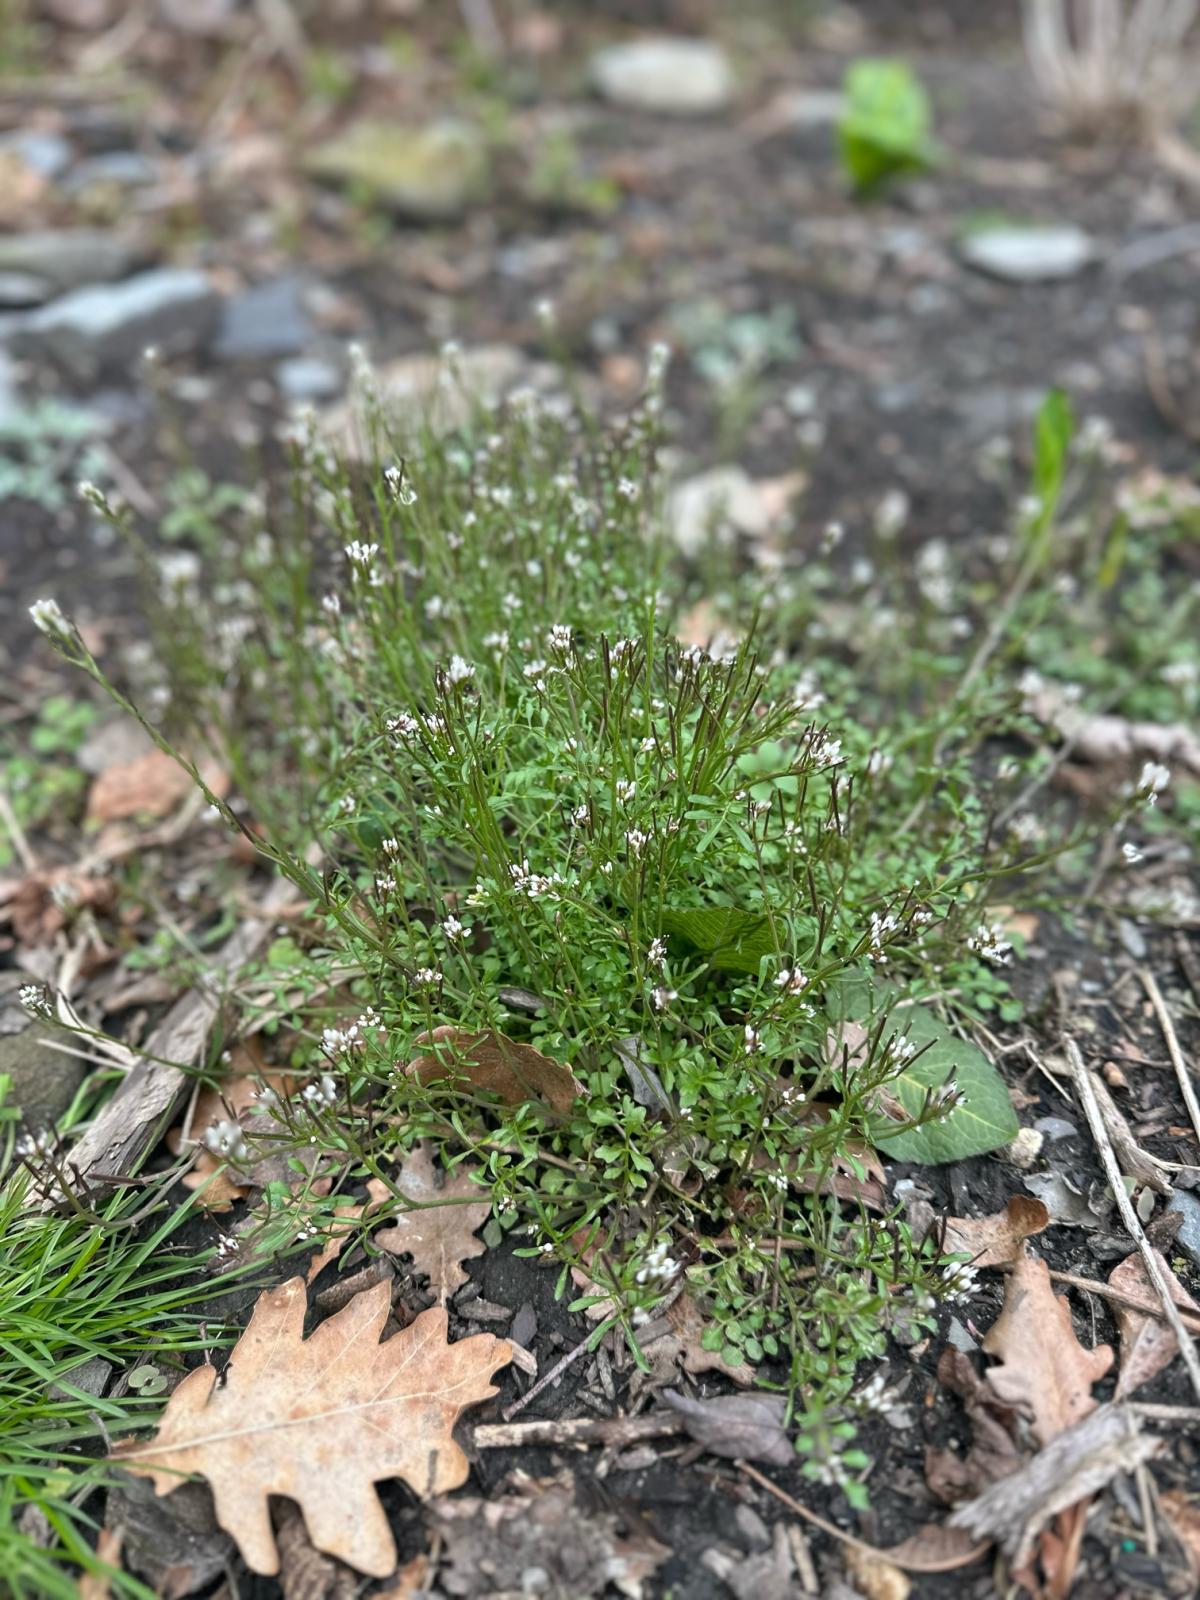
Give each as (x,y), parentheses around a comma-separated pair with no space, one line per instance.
(44,1080)
(711,505)
(118,169)
(414,393)
(23,289)
(46,154)
(672,76)
(110,325)
(429,174)
(306,378)
(68,258)
(1188,1237)
(1029,255)
(267,320)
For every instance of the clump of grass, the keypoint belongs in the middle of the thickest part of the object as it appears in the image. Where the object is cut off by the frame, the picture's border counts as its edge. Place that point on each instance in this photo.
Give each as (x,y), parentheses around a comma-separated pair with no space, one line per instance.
(744,910)
(112,1283)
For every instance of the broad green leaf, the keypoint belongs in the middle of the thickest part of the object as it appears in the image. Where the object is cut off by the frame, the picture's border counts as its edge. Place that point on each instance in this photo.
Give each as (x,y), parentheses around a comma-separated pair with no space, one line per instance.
(732,939)
(982,1121)
(885,129)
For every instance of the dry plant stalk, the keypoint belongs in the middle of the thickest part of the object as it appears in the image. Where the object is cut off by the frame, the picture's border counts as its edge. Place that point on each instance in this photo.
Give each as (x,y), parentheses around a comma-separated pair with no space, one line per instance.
(1109,64)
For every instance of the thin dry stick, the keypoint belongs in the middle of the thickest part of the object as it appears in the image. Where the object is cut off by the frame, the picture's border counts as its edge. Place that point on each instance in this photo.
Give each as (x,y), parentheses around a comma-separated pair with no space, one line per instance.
(544,1382)
(577,1430)
(1116,1297)
(17,834)
(1091,1109)
(949,1564)
(1150,984)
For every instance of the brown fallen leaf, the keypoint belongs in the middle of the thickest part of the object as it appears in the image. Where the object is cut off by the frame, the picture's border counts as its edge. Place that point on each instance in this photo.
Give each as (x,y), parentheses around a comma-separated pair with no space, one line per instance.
(935,1548)
(993,1241)
(439,1232)
(304,1573)
(1075,1465)
(1044,1369)
(1148,1344)
(96,1585)
(495,1064)
(1100,737)
(407,1581)
(743,1426)
(993,1453)
(875,1577)
(149,786)
(343,1230)
(320,1420)
(1183,1513)
(674,1339)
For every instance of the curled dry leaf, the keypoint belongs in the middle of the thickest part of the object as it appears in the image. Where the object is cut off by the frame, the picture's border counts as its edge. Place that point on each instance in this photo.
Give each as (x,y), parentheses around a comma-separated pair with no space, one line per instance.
(993,1241)
(935,1548)
(439,1232)
(1044,1369)
(743,1426)
(1148,1344)
(320,1420)
(993,1453)
(495,1064)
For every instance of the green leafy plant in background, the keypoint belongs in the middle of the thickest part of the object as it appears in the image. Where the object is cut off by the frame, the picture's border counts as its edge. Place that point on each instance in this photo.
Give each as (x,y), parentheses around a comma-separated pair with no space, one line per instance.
(884,131)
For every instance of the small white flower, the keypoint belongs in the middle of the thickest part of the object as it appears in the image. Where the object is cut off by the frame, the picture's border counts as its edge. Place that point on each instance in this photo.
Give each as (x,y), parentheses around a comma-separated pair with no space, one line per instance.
(626,789)
(559,638)
(637,841)
(48,617)
(225,1138)
(791,980)
(324,1092)
(404,727)
(459,671)
(879,762)
(545,313)
(659,1266)
(663,996)
(628,490)
(1153,780)
(34,999)
(454,929)
(1131,854)
(657,953)
(989,942)
(752,1039)
(331,605)
(427,977)
(1180,674)
(832,536)
(359,554)
(959,1278)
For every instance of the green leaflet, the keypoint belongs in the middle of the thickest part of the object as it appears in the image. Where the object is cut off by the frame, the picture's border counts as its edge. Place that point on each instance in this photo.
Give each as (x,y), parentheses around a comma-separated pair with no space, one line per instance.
(885,129)
(984,1120)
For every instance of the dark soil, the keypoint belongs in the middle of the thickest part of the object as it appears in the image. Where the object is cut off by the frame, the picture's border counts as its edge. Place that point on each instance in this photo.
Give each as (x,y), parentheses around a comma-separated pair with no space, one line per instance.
(911,363)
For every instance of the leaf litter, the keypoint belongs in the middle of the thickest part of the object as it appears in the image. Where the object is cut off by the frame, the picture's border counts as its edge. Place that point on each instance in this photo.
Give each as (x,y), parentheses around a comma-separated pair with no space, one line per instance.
(439,1232)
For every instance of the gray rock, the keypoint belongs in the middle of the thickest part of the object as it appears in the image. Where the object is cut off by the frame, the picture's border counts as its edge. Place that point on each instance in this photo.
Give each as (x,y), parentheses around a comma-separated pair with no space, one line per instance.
(308,378)
(1029,255)
(107,326)
(44,1080)
(23,289)
(267,320)
(44,153)
(68,258)
(711,506)
(675,77)
(1054,1128)
(119,169)
(1188,1237)
(429,174)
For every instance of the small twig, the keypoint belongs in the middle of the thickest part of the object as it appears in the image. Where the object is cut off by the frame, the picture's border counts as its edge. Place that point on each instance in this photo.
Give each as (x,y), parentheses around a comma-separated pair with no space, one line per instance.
(1133,1160)
(949,1564)
(17,834)
(1153,1412)
(1117,1297)
(577,1430)
(1150,984)
(547,1378)
(1091,1108)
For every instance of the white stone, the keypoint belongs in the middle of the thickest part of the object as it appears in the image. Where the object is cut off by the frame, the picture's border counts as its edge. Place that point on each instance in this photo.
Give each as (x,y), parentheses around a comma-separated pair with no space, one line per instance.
(677,77)
(1029,255)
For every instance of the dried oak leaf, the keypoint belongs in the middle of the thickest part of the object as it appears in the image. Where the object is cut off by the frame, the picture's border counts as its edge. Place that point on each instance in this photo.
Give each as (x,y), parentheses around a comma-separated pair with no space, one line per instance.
(1044,1369)
(495,1064)
(993,1241)
(492,1544)
(321,1420)
(439,1232)
(994,1452)
(1148,1344)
